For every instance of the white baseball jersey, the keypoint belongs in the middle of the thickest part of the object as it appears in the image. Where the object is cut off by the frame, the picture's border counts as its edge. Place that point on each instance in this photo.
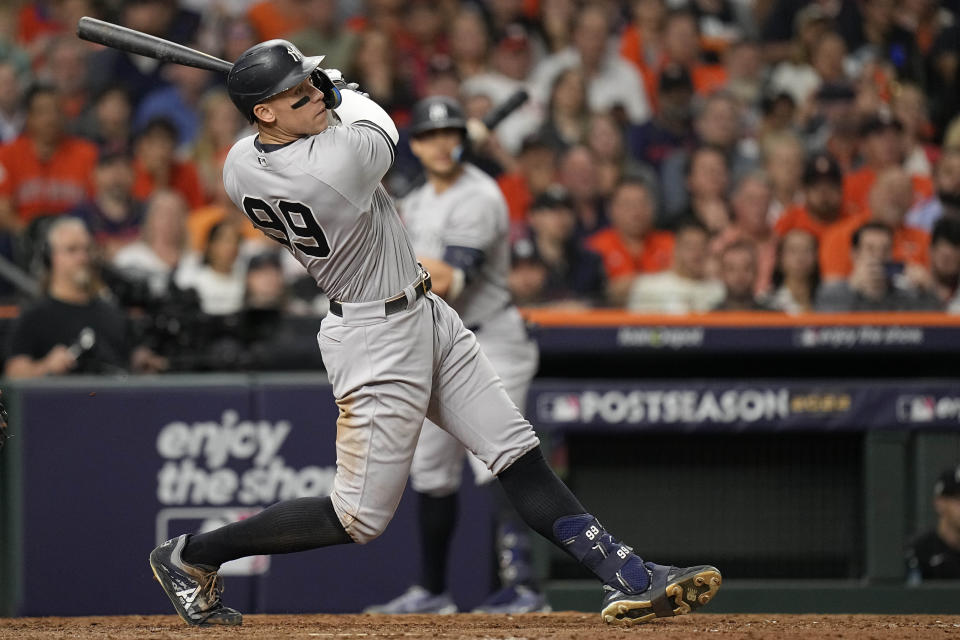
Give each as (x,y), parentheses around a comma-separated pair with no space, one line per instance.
(320,196)
(465,226)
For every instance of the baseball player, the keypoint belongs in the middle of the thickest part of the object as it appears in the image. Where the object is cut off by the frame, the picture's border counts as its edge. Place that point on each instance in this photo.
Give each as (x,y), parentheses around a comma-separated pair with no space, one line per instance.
(458,225)
(394,352)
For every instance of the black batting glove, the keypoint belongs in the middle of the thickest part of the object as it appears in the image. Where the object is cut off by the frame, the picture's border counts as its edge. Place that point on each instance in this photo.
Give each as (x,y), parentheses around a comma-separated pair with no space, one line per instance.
(331,93)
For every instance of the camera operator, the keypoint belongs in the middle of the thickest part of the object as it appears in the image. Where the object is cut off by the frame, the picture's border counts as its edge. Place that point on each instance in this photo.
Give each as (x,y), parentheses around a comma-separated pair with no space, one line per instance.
(72,329)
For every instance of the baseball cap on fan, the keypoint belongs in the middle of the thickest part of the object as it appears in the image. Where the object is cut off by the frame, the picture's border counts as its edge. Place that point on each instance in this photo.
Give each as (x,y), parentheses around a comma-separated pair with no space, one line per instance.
(880,121)
(948,484)
(822,166)
(524,251)
(554,197)
(266,259)
(674,77)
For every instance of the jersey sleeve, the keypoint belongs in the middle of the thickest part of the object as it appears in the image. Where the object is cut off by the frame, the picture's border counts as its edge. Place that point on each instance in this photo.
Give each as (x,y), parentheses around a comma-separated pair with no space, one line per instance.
(476,222)
(355,108)
(352,160)
(472,229)
(374,133)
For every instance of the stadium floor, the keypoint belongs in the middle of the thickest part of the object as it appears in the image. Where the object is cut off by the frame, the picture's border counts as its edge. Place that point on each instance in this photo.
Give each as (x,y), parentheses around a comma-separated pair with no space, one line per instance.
(559,626)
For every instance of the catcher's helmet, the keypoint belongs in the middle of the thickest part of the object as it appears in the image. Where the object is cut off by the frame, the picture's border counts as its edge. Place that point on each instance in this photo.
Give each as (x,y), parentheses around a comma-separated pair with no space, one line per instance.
(266,69)
(437,112)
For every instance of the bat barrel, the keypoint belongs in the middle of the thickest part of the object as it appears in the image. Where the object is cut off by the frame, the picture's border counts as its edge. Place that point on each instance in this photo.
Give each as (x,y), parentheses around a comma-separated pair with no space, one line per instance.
(145,44)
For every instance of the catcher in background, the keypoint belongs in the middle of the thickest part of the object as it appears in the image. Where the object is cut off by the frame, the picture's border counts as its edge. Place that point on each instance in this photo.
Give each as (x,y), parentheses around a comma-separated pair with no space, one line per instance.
(458,224)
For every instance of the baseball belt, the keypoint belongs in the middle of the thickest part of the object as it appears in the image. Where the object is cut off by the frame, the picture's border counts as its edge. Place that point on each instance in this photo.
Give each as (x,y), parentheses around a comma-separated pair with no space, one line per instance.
(394,304)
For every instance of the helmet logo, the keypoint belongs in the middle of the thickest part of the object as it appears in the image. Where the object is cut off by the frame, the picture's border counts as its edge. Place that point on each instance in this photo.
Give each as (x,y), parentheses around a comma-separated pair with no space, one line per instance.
(438,111)
(296,55)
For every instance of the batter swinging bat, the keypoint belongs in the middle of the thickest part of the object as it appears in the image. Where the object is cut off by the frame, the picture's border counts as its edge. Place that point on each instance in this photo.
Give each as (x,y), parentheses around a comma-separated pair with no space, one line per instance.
(118,37)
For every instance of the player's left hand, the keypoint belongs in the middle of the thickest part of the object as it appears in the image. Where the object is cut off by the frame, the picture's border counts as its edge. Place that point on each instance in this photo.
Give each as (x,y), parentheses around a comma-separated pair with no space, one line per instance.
(331,93)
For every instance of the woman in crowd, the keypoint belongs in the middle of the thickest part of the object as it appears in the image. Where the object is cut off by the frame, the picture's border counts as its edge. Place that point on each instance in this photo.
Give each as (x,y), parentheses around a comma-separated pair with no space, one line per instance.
(469,43)
(220,282)
(376,69)
(567,111)
(163,252)
(796,275)
(606,139)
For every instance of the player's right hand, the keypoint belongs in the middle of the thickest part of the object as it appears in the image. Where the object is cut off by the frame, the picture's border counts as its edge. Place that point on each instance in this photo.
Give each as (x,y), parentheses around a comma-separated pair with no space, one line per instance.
(336,77)
(477,132)
(59,360)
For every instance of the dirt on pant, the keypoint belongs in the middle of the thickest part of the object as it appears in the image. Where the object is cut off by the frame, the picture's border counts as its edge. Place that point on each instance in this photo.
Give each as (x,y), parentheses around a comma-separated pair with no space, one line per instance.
(555,626)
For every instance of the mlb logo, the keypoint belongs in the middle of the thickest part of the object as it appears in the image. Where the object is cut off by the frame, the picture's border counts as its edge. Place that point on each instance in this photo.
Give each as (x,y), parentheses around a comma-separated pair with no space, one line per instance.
(558,407)
(808,337)
(915,409)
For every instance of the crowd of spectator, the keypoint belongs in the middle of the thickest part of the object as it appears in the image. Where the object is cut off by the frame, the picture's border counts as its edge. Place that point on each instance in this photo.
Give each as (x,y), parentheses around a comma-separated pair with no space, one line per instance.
(674,156)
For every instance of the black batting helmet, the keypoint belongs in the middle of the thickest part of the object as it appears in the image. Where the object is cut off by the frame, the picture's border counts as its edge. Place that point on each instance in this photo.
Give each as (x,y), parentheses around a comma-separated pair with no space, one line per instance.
(437,112)
(266,69)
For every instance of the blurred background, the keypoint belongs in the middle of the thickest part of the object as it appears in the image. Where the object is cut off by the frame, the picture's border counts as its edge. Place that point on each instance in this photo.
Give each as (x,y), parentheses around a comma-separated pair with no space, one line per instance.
(735,232)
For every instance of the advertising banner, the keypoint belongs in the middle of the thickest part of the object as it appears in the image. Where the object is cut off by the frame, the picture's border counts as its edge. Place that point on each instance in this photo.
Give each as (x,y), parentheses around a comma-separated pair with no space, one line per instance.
(747,339)
(732,405)
(110,471)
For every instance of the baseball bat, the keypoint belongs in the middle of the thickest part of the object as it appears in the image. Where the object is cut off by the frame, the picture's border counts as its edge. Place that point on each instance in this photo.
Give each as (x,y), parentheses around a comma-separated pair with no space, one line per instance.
(118,37)
(507,107)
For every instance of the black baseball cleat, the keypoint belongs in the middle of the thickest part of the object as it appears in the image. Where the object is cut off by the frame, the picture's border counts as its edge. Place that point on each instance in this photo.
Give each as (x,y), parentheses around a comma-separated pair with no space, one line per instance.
(194,590)
(673,591)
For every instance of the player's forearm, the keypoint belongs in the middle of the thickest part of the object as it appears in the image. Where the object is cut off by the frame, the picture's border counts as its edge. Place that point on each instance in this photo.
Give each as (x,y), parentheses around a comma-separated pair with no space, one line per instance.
(355,107)
(447,280)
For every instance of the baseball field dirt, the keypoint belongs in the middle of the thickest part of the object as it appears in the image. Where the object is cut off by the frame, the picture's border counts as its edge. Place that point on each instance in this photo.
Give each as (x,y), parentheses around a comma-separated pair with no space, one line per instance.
(555,626)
